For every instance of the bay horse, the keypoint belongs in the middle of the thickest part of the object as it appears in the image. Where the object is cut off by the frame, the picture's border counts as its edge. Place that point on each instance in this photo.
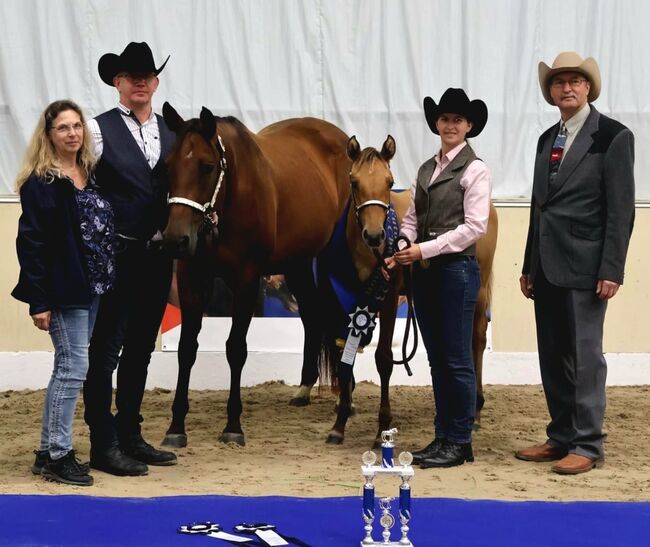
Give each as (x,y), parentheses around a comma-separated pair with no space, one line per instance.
(371,181)
(244,205)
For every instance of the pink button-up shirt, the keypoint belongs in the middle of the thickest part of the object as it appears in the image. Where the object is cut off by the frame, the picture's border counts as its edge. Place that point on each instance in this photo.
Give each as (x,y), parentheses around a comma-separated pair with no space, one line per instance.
(477,183)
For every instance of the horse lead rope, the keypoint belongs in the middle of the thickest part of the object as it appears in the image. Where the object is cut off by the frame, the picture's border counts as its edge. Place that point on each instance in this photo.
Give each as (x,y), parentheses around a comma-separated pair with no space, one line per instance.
(410,317)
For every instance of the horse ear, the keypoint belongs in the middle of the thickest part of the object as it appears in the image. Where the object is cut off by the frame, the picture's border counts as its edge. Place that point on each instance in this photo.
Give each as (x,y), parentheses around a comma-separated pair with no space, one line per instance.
(388,149)
(208,124)
(172,118)
(353,148)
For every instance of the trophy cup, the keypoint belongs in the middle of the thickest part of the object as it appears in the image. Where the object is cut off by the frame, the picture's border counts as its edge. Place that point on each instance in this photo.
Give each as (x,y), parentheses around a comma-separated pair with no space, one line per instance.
(405,472)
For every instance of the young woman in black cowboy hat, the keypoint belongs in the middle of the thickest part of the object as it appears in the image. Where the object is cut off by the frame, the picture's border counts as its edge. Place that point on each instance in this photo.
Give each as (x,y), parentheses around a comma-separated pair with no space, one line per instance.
(448,215)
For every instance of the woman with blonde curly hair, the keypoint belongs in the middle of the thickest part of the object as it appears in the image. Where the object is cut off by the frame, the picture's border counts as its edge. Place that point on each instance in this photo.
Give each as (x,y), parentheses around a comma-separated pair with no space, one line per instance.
(65,251)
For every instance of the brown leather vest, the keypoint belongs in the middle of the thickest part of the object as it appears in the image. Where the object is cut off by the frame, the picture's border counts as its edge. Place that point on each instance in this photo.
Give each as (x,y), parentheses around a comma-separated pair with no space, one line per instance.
(439,207)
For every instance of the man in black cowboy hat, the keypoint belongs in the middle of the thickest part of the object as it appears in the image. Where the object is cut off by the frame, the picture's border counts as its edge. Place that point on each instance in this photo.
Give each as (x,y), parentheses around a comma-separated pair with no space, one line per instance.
(581,217)
(448,215)
(131,143)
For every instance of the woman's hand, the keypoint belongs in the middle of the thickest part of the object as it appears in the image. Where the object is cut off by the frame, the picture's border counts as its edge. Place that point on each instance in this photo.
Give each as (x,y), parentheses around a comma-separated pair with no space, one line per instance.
(409,255)
(42,320)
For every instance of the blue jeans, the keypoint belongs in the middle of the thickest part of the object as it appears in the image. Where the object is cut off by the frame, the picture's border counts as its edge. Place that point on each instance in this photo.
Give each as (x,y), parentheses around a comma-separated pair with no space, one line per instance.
(70,330)
(444,297)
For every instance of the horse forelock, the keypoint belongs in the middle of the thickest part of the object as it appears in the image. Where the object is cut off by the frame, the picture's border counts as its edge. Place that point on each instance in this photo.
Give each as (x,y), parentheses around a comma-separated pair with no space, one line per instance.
(369,155)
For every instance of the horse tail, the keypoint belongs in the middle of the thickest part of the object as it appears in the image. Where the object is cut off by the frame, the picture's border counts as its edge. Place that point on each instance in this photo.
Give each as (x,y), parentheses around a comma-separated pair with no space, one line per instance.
(332,317)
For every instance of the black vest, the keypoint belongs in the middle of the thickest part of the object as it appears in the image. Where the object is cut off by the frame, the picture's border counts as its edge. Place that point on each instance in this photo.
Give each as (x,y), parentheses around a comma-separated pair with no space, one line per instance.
(439,206)
(137,192)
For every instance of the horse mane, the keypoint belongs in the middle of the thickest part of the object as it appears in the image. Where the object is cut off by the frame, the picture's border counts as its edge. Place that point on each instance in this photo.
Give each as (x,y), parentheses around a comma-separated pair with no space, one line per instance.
(368,155)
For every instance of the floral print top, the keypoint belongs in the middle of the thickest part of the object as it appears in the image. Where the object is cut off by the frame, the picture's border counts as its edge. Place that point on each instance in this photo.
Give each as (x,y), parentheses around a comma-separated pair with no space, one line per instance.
(97,235)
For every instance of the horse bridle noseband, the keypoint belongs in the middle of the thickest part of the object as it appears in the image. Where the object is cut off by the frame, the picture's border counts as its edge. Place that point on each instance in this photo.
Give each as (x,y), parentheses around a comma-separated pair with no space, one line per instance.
(207,209)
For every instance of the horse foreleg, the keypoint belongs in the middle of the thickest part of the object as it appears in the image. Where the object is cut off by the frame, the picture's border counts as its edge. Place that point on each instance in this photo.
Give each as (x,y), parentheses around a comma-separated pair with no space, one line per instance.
(194,288)
(300,281)
(245,297)
(384,359)
(344,410)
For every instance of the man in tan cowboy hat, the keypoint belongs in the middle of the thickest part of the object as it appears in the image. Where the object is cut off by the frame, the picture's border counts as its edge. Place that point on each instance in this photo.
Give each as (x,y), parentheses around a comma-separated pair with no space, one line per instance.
(131,143)
(581,218)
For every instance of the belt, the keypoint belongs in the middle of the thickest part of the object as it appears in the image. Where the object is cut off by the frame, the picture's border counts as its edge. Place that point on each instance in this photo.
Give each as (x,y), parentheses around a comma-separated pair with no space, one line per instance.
(444,259)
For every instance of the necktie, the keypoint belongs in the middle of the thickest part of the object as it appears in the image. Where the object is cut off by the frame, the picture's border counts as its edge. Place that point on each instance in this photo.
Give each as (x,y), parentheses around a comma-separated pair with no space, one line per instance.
(556,153)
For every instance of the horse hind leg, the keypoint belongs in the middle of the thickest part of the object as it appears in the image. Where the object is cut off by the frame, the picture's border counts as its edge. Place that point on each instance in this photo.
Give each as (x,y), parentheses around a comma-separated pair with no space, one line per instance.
(345,380)
(300,282)
(479,342)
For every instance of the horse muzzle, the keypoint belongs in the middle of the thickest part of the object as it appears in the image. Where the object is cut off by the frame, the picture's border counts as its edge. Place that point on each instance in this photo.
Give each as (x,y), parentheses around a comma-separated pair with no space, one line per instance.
(374,239)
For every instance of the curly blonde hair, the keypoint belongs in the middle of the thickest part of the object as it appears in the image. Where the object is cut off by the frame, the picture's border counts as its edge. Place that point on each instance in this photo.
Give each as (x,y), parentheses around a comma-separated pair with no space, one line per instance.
(41,158)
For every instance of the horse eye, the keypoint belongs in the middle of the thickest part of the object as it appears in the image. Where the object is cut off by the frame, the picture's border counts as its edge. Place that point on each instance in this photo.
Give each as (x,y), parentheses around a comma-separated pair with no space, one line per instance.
(206,168)
(354,184)
(391,183)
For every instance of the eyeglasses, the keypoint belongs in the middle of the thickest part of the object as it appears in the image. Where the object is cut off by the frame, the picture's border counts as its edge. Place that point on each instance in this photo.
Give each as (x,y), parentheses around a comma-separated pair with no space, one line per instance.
(575,83)
(63,129)
(137,77)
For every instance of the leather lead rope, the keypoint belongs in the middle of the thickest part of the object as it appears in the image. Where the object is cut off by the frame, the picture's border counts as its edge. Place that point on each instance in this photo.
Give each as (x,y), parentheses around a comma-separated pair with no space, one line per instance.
(410,317)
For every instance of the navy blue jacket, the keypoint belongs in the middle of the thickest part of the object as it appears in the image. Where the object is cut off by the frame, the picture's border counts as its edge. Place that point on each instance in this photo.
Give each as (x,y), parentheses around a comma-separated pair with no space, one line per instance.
(53,271)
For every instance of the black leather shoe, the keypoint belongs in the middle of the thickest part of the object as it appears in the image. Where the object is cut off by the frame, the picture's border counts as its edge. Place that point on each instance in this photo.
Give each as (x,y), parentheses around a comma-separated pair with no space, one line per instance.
(116,462)
(142,451)
(449,455)
(429,451)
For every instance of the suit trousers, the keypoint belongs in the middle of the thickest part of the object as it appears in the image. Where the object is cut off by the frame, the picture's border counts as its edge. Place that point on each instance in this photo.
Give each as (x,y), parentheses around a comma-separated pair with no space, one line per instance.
(573,368)
(124,337)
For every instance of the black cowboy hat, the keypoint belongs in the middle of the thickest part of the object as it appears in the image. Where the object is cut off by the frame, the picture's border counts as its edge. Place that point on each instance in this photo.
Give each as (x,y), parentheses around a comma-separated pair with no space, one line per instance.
(456,101)
(136,58)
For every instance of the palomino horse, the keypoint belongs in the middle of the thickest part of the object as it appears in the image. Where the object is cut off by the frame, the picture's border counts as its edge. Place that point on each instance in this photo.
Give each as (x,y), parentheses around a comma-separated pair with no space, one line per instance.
(243,205)
(371,180)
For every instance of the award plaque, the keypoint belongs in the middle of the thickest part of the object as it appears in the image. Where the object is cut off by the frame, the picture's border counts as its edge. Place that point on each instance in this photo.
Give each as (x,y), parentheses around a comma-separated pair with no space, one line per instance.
(405,472)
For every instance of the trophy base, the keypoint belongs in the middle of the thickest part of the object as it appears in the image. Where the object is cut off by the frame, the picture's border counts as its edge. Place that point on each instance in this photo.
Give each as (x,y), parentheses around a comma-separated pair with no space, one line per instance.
(394,543)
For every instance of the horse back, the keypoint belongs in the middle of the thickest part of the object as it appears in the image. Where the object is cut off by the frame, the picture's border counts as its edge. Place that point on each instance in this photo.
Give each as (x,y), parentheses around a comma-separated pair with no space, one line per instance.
(308,170)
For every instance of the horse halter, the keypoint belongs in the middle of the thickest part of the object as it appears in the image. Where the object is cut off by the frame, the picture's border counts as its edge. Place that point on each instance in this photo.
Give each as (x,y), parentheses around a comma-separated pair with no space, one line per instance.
(207,209)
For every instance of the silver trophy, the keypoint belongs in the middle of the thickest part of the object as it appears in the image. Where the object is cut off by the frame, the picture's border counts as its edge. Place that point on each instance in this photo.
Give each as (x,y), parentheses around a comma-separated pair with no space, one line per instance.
(405,472)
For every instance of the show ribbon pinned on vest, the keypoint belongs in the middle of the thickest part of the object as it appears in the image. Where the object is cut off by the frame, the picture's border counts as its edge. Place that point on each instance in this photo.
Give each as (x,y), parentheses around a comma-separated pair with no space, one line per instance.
(359,301)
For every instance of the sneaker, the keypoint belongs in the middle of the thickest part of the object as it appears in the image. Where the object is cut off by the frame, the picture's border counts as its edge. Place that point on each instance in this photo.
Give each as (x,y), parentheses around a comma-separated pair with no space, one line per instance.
(41,460)
(141,450)
(67,470)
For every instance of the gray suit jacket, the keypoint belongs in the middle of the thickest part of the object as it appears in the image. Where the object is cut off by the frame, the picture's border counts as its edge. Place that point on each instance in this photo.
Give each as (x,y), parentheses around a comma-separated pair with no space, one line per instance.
(580,226)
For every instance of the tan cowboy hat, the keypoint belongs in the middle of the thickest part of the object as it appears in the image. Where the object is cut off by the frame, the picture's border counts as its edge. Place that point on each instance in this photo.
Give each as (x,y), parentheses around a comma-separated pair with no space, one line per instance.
(570,61)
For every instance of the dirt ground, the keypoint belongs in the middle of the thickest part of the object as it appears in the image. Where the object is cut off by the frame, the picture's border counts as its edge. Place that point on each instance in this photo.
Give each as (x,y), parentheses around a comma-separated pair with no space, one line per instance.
(286,453)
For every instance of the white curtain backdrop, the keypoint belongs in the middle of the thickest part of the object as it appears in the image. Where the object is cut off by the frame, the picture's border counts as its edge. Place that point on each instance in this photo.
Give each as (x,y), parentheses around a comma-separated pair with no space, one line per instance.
(363,65)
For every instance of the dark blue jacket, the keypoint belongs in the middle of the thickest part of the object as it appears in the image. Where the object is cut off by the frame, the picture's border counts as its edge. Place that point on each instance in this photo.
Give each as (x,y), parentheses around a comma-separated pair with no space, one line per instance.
(50,252)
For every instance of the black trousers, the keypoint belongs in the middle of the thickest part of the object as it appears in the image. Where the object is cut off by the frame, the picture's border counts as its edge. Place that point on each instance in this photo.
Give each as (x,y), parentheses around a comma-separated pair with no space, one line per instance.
(573,368)
(124,337)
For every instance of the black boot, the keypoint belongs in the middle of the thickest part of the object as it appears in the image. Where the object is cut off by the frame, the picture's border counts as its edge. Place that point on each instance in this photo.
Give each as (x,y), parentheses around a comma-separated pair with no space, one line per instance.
(141,450)
(450,455)
(115,462)
(67,470)
(429,451)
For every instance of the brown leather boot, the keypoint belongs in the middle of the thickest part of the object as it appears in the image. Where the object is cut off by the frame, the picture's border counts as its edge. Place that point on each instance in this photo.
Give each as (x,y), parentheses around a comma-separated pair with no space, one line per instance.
(541,453)
(574,464)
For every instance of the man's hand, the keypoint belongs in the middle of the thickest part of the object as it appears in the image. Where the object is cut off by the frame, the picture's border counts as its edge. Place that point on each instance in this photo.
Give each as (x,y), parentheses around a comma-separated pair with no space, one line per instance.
(42,320)
(606,289)
(409,255)
(526,286)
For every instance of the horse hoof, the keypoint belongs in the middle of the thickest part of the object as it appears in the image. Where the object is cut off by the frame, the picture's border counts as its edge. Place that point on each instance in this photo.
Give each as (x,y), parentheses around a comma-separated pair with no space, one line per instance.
(376,445)
(334,439)
(299,401)
(175,440)
(237,438)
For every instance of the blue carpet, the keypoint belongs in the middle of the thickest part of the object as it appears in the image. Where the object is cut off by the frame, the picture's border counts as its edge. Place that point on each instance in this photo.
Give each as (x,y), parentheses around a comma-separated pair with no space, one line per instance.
(84,520)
